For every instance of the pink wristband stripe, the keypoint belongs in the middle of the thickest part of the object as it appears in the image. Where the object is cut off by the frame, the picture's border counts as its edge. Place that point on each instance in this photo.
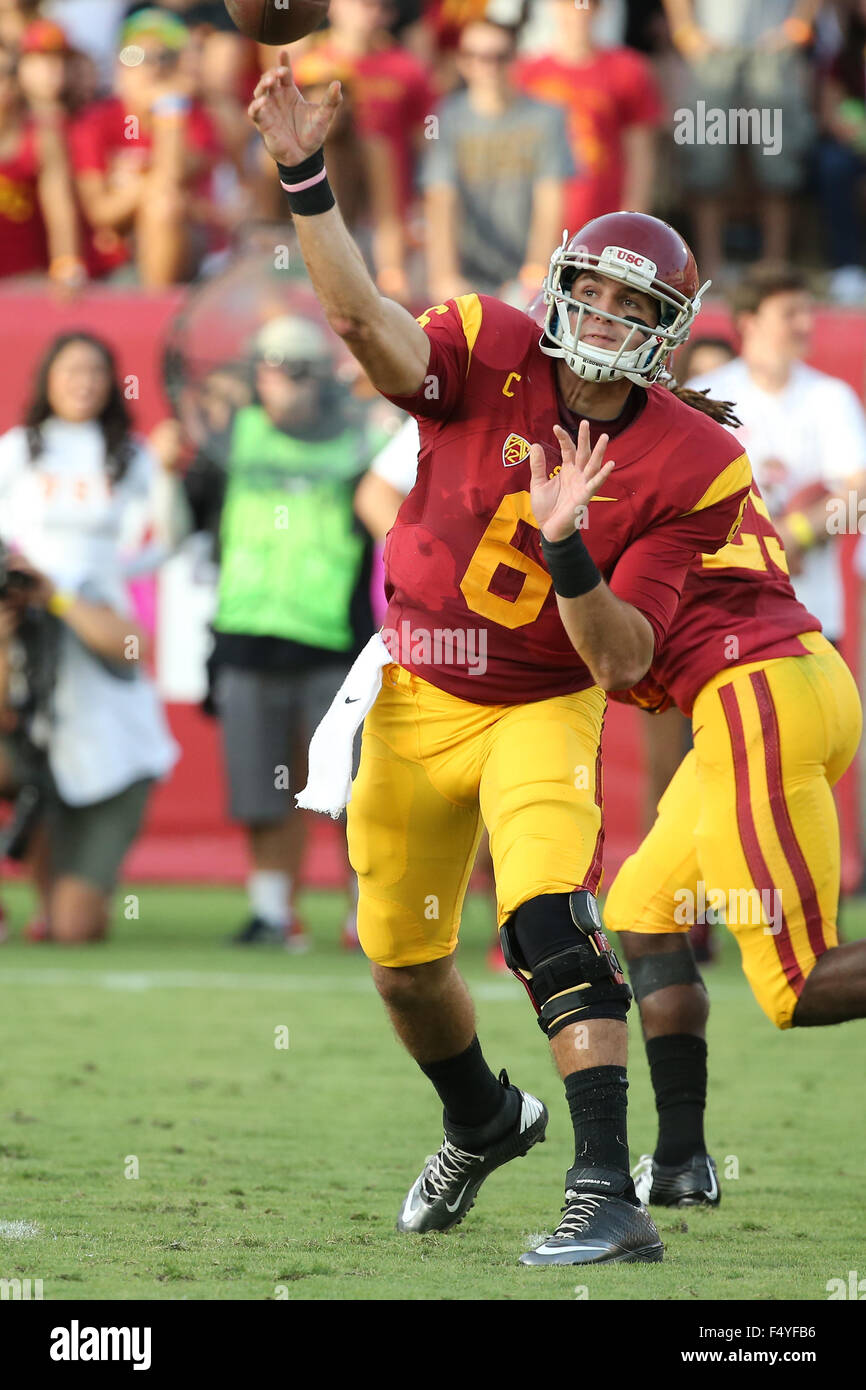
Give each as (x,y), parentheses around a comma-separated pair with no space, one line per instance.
(308,183)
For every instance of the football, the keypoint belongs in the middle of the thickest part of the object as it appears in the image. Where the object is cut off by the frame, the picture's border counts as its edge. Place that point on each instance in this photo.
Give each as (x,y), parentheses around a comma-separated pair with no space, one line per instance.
(277,21)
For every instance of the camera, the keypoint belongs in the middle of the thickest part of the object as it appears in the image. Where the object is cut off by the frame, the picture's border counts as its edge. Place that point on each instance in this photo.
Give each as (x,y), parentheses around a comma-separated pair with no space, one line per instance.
(12,581)
(32,677)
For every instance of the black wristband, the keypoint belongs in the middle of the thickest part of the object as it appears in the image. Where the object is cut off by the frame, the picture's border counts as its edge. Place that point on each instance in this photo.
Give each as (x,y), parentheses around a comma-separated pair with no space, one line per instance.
(306,186)
(571,566)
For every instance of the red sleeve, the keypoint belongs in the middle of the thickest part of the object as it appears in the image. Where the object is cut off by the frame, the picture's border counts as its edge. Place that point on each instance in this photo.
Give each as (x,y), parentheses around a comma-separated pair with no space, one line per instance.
(639,93)
(651,573)
(449,327)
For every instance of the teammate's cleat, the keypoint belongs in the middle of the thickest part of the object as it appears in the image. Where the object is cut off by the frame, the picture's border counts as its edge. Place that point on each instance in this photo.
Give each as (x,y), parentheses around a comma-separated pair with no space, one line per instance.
(691,1184)
(36,931)
(258,932)
(449,1182)
(597,1229)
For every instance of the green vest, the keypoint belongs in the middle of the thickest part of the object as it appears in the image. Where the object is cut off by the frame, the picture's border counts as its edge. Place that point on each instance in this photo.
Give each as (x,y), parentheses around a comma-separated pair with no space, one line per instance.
(289,544)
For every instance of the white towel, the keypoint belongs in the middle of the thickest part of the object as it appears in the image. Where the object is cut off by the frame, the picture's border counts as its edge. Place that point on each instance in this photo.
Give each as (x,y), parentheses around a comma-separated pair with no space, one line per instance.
(329,783)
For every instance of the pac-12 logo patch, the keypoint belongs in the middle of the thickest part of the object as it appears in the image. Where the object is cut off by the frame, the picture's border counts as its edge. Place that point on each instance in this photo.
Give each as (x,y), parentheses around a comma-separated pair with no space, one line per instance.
(514,450)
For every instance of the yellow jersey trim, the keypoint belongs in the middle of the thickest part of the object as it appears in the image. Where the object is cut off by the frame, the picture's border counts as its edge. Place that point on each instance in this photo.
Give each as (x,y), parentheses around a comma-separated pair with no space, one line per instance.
(470,311)
(737,475)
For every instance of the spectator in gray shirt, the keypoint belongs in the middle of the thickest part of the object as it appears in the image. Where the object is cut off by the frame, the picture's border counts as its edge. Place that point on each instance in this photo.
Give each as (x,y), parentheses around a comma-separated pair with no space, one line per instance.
(744,56)
(493,177)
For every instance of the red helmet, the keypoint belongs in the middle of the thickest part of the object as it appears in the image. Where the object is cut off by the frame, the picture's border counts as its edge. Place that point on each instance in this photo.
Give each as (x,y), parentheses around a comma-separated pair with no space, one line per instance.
(639,251)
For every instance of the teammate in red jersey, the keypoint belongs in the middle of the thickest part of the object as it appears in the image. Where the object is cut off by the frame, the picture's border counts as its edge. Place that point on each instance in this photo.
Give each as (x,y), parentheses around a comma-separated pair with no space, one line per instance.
(747,827)
(503,644)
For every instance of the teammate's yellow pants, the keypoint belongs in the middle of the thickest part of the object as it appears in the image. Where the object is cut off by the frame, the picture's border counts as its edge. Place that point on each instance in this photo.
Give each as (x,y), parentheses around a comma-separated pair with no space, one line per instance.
(748,823)
(432,766)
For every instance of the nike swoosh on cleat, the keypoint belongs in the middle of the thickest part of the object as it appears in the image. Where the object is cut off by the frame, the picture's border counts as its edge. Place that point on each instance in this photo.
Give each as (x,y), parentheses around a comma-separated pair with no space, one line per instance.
(459,1199)
(351,699)
(714,1186)
(532,1108)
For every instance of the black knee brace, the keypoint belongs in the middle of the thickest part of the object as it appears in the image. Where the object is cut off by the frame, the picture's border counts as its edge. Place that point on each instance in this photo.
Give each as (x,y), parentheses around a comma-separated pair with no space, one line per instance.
(661,969)
(567,983)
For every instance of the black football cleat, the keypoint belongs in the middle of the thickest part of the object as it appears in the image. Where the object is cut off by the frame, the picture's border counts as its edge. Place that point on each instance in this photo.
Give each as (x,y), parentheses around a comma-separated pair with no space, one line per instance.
(597,1228)
(691,1184)
(448,1185)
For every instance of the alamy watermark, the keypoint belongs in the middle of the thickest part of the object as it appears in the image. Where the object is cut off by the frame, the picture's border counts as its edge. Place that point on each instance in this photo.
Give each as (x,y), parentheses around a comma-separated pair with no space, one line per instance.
(20,1289)
(735,906)
(438,646)
(712,125)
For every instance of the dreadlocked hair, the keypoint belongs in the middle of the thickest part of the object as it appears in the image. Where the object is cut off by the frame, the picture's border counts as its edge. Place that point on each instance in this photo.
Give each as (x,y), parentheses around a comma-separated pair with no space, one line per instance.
(721,411)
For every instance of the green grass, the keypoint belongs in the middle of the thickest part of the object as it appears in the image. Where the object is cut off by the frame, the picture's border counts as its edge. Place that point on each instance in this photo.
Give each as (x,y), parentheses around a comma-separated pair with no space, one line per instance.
(264,1170)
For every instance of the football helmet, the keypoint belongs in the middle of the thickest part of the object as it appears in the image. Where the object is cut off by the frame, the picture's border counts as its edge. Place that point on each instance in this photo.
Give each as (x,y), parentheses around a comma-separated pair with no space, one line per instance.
(636,250)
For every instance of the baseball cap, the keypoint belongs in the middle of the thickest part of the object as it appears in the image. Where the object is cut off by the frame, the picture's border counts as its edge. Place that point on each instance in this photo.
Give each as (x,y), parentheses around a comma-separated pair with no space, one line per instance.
(44,36)
(288,339)
(155,23)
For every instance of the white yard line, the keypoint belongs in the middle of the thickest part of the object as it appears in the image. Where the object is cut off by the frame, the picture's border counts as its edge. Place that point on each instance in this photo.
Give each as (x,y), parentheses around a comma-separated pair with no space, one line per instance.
(18,1230)
(137,981)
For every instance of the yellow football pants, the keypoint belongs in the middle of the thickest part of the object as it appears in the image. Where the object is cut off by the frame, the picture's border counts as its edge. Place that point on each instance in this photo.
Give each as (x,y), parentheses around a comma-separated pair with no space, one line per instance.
(432,768)
(748,823)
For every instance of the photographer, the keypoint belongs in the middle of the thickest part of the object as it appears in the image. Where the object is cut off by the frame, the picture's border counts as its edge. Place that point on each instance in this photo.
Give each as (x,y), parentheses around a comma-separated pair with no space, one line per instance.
(76,490)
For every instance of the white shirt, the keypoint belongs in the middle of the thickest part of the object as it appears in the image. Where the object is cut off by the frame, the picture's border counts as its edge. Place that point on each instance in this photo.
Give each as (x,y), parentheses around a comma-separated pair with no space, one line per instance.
(812,431)
(397,463)
(61,514)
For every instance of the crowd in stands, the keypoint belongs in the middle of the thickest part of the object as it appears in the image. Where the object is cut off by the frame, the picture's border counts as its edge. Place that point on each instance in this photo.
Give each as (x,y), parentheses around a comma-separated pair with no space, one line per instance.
(471,133)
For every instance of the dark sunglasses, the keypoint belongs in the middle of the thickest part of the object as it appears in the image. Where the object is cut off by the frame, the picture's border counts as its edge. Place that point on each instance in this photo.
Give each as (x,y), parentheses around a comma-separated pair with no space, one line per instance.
(480,57)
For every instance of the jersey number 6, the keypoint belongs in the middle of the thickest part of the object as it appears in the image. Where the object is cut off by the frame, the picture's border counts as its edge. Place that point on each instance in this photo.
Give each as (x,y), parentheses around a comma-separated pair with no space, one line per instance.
(494,549)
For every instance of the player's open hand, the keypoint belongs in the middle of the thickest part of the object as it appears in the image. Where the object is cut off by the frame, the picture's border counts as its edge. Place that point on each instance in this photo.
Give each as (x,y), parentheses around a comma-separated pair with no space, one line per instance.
(559,503)
(291,127)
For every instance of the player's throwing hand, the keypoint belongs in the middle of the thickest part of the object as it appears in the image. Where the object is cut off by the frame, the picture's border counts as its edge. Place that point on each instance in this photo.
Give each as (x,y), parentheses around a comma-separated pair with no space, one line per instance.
(291,127)
(559,503)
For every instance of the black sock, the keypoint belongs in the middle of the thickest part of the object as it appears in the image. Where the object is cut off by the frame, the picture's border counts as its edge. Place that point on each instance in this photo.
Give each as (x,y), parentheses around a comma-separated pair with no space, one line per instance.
(678,1067)
(468,1090)
(597,1099)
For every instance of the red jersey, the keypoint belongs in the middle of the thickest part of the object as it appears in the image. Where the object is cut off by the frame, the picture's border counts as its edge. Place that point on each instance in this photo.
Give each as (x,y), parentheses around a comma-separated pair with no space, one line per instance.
(105,137)
(738,605)
(23,243)
(612,91)
(392,96)
(463,564)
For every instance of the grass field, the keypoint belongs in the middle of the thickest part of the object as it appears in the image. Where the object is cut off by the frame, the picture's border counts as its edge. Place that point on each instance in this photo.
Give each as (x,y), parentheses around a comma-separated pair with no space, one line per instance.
(270,1172)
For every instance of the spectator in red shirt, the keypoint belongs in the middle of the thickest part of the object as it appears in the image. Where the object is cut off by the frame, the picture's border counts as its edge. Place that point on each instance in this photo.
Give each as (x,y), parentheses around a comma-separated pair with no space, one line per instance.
(143,158)
(613,107)
(362,172)
(393,92)
(38,228)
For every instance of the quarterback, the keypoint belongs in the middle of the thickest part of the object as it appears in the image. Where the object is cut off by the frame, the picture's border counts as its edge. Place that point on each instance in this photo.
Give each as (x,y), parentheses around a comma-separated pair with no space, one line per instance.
(747,822)
(570,565)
